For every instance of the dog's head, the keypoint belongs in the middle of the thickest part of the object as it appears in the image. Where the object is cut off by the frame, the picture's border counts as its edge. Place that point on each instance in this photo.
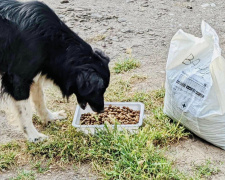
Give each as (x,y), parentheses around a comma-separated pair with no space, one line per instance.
(92,79)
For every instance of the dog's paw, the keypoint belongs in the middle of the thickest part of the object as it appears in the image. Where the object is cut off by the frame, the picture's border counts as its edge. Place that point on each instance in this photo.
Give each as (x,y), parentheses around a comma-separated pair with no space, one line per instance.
(37,138)
(57,116)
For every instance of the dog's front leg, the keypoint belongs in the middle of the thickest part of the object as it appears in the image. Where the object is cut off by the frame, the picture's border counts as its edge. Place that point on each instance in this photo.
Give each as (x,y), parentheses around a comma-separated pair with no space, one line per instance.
(39,102)
(24,111)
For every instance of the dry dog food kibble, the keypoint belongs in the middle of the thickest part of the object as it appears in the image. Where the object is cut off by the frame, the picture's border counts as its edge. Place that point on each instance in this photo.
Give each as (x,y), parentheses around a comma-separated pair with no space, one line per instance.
(123,115)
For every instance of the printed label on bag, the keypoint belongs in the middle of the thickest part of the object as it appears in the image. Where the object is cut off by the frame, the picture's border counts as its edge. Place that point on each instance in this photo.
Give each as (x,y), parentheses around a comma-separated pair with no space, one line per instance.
(189,92)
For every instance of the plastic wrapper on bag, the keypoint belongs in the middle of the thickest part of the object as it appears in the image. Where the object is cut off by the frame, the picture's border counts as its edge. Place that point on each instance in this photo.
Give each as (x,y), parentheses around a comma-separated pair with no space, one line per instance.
(195,84)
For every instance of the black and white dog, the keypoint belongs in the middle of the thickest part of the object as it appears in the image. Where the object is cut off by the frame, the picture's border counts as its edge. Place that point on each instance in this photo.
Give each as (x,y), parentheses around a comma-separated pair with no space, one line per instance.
(34,45)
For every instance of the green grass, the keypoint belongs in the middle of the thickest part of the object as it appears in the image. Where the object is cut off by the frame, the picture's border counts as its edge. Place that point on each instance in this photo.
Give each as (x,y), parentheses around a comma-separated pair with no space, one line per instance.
(113,154)
(41,167)
(24,175)
(7,159)
(126,64)
(116,155)
(8,154)
(205,170)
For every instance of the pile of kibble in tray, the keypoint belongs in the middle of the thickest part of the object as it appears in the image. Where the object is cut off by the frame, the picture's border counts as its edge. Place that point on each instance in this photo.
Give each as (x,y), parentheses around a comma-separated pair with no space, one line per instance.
(112,114)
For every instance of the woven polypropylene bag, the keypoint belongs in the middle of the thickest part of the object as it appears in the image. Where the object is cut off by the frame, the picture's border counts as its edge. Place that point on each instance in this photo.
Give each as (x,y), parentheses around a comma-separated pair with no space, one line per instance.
(195,84)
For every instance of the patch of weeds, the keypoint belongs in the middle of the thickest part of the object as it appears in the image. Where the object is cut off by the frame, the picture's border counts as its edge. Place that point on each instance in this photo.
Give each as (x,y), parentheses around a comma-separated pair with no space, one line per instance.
(24,175)
(131,156)
(143,97)
(10,146)
(137,77)
(118,90)
(127,64)
(7,159)
(40,167)
(165,132)
(160,93)
(206,169)
(36,119)
(116,155)
(8,154)
(63,145)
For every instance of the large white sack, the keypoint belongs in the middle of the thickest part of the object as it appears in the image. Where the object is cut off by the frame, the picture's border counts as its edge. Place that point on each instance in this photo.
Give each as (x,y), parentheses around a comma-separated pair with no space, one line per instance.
(195,84)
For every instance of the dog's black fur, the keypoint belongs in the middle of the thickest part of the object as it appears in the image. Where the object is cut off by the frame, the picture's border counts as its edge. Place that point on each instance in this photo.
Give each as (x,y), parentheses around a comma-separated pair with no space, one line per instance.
(34,40)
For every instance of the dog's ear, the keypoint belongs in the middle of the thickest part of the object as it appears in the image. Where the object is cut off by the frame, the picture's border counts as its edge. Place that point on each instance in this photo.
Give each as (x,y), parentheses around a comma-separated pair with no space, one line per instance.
(88,81)
(102,55)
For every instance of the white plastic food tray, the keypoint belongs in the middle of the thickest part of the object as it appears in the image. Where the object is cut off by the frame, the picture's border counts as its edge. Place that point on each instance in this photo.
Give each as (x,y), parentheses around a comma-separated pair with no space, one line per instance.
(92,128)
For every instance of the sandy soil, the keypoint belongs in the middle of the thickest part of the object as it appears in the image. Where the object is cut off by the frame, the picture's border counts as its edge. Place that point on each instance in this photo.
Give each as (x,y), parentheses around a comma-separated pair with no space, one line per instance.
(69,173)
(145,27)
(195,151)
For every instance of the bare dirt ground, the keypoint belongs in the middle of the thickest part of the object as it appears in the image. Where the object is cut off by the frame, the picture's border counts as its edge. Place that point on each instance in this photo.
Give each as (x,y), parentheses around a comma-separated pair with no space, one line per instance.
(146,27)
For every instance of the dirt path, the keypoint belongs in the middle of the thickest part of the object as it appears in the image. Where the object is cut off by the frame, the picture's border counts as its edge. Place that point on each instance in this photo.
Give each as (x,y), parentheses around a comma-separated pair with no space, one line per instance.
(196,151)
(82,173)
(145,27)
